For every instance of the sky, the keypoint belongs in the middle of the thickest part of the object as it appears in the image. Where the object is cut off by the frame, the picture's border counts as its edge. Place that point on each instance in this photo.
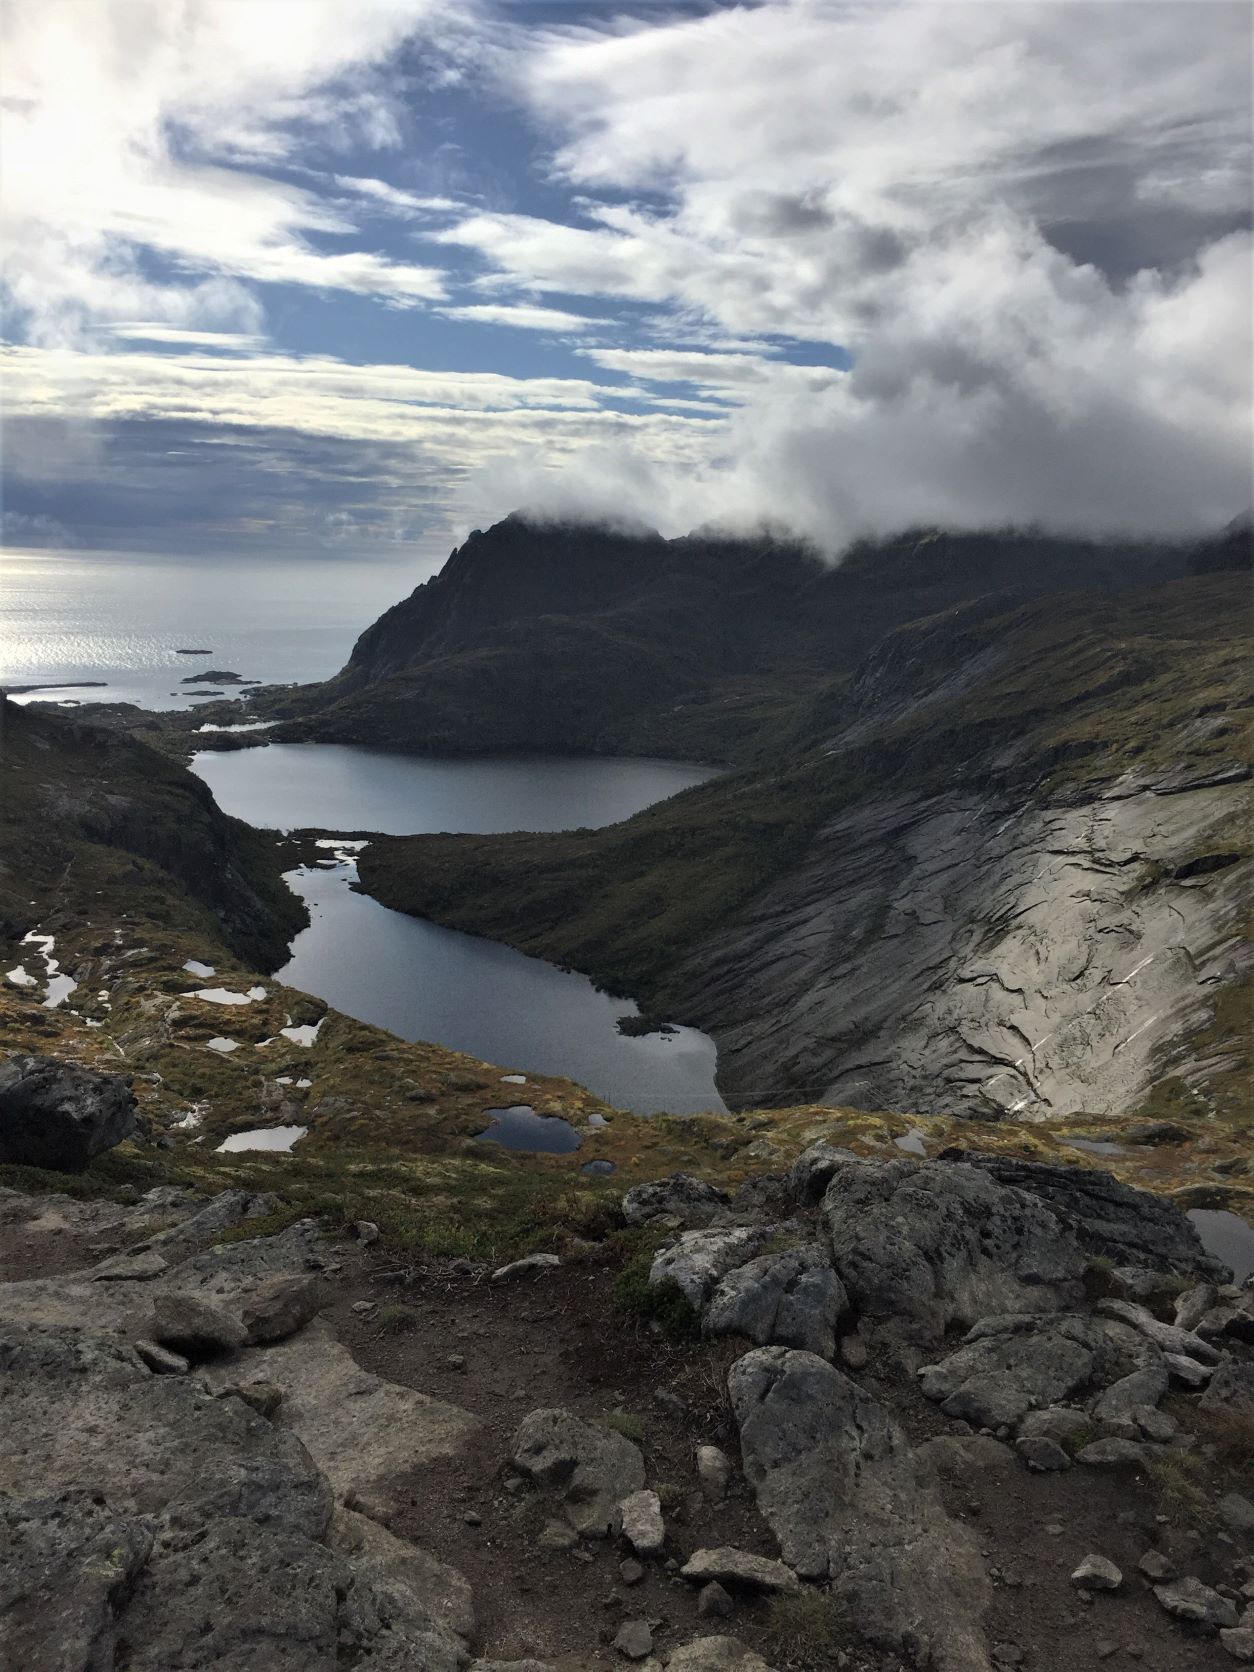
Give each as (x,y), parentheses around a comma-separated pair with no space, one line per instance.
(305,278)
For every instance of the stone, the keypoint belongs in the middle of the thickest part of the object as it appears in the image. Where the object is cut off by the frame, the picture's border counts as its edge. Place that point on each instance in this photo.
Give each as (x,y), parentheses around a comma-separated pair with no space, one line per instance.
(1042,1455)
(921,1246)
(631,1572)
(843,1493)
(1062,1424)
(161,1361)
(641,1520)
(698,1259)
(1196,1605)
(634,1640)
(1237,1514)
(59,1115)
(1112,1454)
(364,1231)
(279,1307)
(713,1602)
(1194,1304)
(557,1535)
(1166,1337)
(263,1397)
(716,1654)
(593,1469)
(1238,1641)
(1007,1654)
(1142,1388)
(1231,1388)
(1186,1372)
(737,1567)
(1014,1364)
(690,1201)
(1097,1573)
(531,1265)
(196,1328)
(853,1350)
(222,1213)
(1155,1132)
(1157,1567)
(714,1471)
(140,1267)
(811,1172)
(792,1299)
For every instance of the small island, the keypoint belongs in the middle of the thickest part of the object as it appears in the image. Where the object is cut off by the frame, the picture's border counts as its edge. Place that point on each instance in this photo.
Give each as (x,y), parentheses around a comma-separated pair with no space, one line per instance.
(216,676)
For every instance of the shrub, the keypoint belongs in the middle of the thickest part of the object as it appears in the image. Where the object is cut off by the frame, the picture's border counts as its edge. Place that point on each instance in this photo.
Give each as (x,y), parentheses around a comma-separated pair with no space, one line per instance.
(663,1304)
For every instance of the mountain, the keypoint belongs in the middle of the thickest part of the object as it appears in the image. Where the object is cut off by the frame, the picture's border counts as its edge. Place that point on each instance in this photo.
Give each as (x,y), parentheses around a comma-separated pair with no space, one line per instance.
(584,640)
(986,846)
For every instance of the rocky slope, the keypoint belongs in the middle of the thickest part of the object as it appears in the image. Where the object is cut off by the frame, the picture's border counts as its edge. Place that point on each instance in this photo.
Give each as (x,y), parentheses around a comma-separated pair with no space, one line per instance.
(857,1413)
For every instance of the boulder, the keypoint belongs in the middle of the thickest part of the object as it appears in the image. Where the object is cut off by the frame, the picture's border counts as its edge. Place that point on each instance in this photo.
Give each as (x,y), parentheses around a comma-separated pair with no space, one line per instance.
(1168,1338)
(279,1307)
(726,1566)
(1130,1393)
(1042,1455)
(593,1469)
(1196,1605)
(1113,1454)
(56,1114)
(1062,1424)
(1186,1372)
(921,1246)
(714,1471)
(634,1639)
(699,1259)
(1238,1642)
(1097,1573)
(716,1654)
(791,1299)
(1108,1218)
(842,1492)
(812,1171)
(194,1327)
(1231,1388)
(1012,1365)
(691,1201)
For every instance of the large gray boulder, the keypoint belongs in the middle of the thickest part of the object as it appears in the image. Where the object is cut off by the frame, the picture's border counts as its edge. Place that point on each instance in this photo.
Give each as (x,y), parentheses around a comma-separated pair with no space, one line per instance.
(790,1299)
(921,1246)
(56,1114)
(1107,1217)
(1231,1388)
(847,1501)
(1012,1365)
(698,1259)
(593,1469)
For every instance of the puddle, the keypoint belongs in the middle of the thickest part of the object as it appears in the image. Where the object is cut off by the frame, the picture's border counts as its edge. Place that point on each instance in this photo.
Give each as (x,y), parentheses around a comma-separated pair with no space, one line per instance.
(597,1120)
(57,985)
(304,1035)
(1227,1237)
(1095,1146)
(597,1167)
(221,995)
(194,967)
(912,1141)
(264,1138)
(520,1128)
(226,1046)
(59,989)
(19,977)
(513,1079)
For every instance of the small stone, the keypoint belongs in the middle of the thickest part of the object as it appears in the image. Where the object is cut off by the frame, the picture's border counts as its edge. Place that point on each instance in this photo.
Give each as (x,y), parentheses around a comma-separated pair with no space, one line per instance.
(1195,1604)
(364,1308)
(737,1567)
(642,1525)
(714,1472)
(1237,1514)
(1112,1454)
(472,1518)
(455,1361)
(713,1602)
(1238,1641)
(853,1351)
(1156,1567)
(262,1397)
(365,1231)
(1007,1654)
(631,1572)
(1042,1456)
(1105,1648)
(634,1640)
(1097,1573)
(556,1535)
(161,1361)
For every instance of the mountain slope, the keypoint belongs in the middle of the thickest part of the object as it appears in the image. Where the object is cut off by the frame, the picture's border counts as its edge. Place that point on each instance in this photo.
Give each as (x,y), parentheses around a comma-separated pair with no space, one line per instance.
(1009,809)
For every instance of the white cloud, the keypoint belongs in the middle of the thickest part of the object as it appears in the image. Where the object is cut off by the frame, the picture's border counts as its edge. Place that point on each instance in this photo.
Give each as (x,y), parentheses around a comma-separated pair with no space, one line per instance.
(1024,222)
(393,199)
(523,316)
(118,120)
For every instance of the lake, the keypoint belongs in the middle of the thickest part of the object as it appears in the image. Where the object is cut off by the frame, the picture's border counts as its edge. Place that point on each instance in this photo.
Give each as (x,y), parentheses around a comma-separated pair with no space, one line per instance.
(422,981)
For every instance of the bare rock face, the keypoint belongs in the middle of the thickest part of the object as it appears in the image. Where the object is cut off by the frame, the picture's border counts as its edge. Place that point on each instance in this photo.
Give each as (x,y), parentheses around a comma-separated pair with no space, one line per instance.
(594,1469)
(923,1245)
(698,1260)
(691,1201)
(1012,1365)
(847,1501)
(56,1114)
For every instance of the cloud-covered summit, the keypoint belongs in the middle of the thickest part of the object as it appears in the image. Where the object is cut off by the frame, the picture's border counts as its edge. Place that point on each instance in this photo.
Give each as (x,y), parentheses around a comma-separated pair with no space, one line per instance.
(841,267)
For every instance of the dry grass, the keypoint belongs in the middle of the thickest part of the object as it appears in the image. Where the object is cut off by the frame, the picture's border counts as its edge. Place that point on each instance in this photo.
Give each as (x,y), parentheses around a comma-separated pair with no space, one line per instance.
(805,1632)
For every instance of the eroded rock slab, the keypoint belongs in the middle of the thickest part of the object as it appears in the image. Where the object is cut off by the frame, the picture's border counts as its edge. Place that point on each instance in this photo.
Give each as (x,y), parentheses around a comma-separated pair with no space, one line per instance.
(1015,1365)
(848,1501)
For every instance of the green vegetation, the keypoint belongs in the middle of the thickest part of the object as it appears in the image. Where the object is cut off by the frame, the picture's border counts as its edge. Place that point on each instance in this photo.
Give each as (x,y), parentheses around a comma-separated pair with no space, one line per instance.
(396,1319)
(627,1423)
(806,1631)
(663,1304)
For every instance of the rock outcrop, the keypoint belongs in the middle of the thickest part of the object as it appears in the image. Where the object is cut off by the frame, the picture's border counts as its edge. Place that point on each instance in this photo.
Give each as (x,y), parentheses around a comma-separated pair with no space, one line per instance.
(58,1115)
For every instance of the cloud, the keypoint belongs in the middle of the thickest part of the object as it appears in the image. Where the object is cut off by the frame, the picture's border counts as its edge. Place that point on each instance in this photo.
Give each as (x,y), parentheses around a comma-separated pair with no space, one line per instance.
(522,316)
(136,138)
(1027,226)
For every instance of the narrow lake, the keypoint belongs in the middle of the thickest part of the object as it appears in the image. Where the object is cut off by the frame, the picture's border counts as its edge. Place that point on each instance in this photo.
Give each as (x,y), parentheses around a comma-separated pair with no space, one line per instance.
(425,982)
